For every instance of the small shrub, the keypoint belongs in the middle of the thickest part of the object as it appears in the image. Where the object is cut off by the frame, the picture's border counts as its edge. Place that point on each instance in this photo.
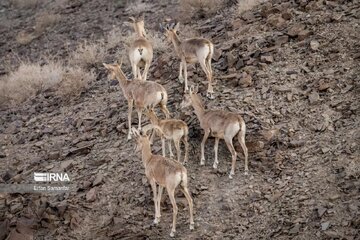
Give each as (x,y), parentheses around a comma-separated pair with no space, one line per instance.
(45,20)
(42,22)
(74,81)
(200,8)
(29,80)
(89,54)
(138,7)
(24,37)
(26,3)
(159,42)
(32,79)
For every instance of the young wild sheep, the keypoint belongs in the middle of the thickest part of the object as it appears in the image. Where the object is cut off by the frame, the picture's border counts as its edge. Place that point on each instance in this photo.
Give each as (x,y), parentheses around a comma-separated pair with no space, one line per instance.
(172,130)
(140,50)
(166,173)
(191,51)
(142,94)
(222,125)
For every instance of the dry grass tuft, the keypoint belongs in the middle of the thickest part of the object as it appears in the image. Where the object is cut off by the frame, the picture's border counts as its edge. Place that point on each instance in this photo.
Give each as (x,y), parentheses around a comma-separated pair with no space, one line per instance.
(32,79)
(89,54)
(74,81)
(24,37)
(200,8)
(159,42)
(138,7)
(246,5)
(26,3)
(29,80)
(44,21)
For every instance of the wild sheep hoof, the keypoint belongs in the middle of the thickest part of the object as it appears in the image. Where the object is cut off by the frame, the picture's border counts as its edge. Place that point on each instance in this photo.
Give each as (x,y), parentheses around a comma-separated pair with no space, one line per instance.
(181,79)
(172,234)
(210,95)
(202,163)
(246,172)
(156,221)
(191,226)
(215,165)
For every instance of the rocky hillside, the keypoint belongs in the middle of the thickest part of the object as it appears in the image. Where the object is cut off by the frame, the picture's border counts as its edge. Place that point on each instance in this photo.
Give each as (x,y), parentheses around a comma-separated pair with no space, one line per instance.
(291,68)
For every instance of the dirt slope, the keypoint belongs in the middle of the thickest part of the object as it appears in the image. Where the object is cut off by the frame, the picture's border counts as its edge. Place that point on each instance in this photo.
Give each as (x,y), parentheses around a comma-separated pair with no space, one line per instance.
(291,68)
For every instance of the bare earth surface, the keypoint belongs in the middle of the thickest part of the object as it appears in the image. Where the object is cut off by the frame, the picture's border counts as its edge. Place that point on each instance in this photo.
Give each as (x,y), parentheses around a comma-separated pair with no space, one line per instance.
(291,69)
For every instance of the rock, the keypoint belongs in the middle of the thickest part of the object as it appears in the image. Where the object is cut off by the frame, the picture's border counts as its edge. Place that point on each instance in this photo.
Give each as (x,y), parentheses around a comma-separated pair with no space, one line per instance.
(295,30)
(303,34)
(276,21)
(314,97)
(16,207)
(4,229)
(65,165)
(332,234)
(269,134)
(334,197)
(17,178)
(231,59)
(91,195)
(114,82)
(267,58)
(54,155)
(157,74)
(295,229)
(98,180)
(325,226)
(321,211)
(281,40)
(245,80)
(229,76)
(240,63)
(120,127)
(14,235)
(286,15)
(323,85)
(217,54)
(314,45)
(314,5)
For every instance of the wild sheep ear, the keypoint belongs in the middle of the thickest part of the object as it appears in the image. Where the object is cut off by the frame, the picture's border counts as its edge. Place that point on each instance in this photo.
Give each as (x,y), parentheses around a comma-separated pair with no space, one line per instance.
(105,65)
(132,19)
(176,28)
(191,89)
(142,17)
(196,89)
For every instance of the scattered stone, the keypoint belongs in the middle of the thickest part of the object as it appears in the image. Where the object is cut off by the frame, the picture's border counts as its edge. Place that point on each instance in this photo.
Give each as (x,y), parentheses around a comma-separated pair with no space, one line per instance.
(325,226)
(323,85)
(98,180)
(270,134)
(314,45)
(4,229)
(114,82)
(280,40)
(276,21)
(66,165)
(231,59)
(295,30)
(295,229)
(54,155)
(321,211)
(245,80)
(91,195)
(314,97)
(267,58)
